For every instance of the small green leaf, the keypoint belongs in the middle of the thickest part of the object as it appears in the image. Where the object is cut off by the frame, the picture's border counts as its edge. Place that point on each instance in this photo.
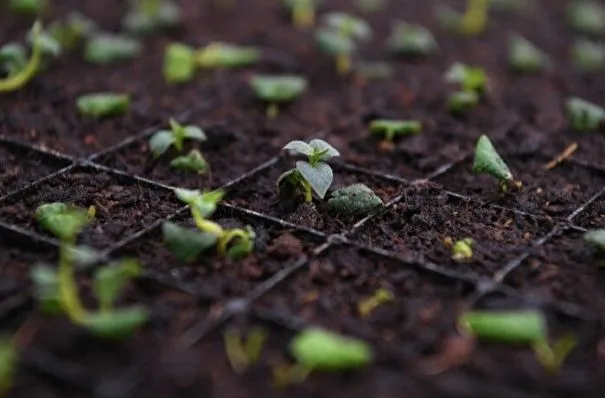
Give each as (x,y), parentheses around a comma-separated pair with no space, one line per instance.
(584,115)
(8,364)
(193,161)
(28,7)
(524,56)
(323,350)
(588,56)
(461,102)
(596,238)
(160,142)
(205,203)
(186,244)
(99,105)
(470,78)
(289,184)
(333,43)
(515,327)
(84,256)
(150,15)
(105,48)
(110,280)
(392,128)
(348,25)
(319,177)
(278,89)
(62,220)
(299,146)
(408,39)
(586,16)
(116,324)
(13,58)
(46,289)
(70,32)
(225,55)
(323,150)
(462,250)
(179,63)
(488,161)
(353,201)
(49,46)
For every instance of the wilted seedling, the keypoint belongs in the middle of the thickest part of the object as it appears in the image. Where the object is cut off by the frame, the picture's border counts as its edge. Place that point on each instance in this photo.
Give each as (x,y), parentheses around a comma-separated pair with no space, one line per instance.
(194,162)
(179,63)
(243,354)
(225,55)
(469,78)
(100,105)
(8,364)
(472,22)
(354,201)
(314,175)
(583,115)
(276,90)
(462,250)
(410,39)
(72,31)
(588,56)
(369,304)
(105,48)
(162,140)
(524,56)
(303,12)
(596,239)
(28,7)
(586,16)
(146,16)
(460,102)
(488,161)
(390,129)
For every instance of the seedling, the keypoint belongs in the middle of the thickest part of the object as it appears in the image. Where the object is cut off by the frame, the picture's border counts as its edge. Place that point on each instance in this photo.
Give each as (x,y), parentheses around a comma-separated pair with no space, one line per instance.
(348,25)
(186,244)
(596,239)
(353,201)
(524,56)
(100,105)
(63,220)
(162,140)
(409,39)
(462,250)
(13,58)
(461,102)
(276,90)
(194,162)
(303,12)
(390,129)
(225,55)
(469,78)
(8,364)
(588,56)
(379,298)
(73,30)
(552,357)
(488,161)
(243,354)
(472,22)
(583,115)
(314,175)
(374,70)
(371,5)
(146,16)
(20,73)
(179,63)
(28,7)
(586,16)
(105,48)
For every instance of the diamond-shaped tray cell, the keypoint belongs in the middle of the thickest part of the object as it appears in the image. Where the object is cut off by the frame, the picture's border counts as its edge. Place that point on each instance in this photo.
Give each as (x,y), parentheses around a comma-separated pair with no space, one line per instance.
(593,216)
(259,193)
(334,289)
(556,192)
(20,166)
(425,217)
(215,279)
(123,205)
(563,269)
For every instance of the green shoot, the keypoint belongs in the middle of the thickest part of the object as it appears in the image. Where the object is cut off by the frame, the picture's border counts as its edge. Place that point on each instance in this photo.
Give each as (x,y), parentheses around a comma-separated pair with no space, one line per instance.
(471,23)
(8,364)
(348,25)
(105,48)
(390,129)
(524,56)
(100,105)
(277,89)
(552,358)
(146,16)
(194,162)
(46,285)
(13,58)
(244,354)
(179,63)
(583,115)
(28,7)
(162,140)
(225,55)
(303,12)
(110,281)
(72,31)
(514,327)
(596,239)
(461,102)
(314,175)
(62,220)
(469,78)
(186,244)
(488,161)
(462,250)
(409,39)
(353,201)
(369,304)
(588,56)
(586,16)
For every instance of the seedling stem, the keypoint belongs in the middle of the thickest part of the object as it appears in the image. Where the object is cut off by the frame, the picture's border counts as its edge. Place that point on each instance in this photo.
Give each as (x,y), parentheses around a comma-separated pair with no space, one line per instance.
(20,79)
(343,64)
(474,19)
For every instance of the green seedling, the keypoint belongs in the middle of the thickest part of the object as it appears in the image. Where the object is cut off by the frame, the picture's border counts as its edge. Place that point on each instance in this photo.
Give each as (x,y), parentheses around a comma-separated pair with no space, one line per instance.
(276,90)
(162,140)
(586,16)
(28,7)
(303,12)
(552,357)
(13,58)
(8,364)
(461,102)
(353,201)
(244,354)
(524,56)
(588,56)
(488,161)
(179,63)
(193,162)
(232,243)
(380,297)
(63,220)
(72,31)
(471,23)
(225,55)
(146,16)
(583,115)
(314,175)
(100,105)
(348,25)
(596,239)
(409,39)
(514,327)
(390,129)
(105,48)
(20,73)
(469,78)
(462,250)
